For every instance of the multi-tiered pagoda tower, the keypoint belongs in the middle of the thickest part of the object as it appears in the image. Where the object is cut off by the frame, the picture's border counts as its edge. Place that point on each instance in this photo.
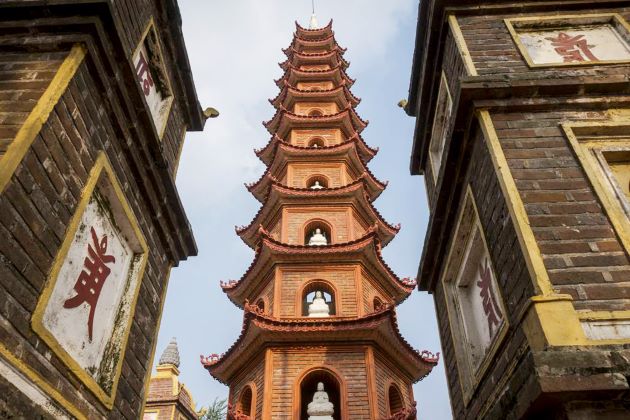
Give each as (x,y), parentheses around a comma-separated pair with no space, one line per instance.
(319,333)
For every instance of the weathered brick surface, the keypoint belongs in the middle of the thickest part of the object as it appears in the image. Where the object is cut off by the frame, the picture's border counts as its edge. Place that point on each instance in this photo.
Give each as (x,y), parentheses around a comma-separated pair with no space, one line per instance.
(40,199)
(288,364)
(335,174)
(386,375)
(580,248)
(343,279)
(494,52)
(514,284)
(255,374)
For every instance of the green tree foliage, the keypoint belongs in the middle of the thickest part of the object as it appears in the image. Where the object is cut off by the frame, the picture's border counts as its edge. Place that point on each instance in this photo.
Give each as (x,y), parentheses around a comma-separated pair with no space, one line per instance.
(215,411)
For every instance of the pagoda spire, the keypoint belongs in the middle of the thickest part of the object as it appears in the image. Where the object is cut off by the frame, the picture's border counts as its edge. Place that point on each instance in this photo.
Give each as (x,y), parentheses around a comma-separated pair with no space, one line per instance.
(313,23)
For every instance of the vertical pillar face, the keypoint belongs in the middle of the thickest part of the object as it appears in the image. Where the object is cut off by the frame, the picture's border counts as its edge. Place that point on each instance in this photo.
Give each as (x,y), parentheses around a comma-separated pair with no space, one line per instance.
(85,311)
(553,208)
(81,165)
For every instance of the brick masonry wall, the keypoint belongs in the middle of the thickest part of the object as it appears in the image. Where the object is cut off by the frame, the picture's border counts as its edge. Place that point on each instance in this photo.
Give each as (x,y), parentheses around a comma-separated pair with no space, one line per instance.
(514,284)
(289,364)
(386,375)
(23,78)
(35,210)
(581,251)
(133,17)
(301,173)
(302,137)
(292,281)
(326,108)
(494,53)
(297,221)
(255,373)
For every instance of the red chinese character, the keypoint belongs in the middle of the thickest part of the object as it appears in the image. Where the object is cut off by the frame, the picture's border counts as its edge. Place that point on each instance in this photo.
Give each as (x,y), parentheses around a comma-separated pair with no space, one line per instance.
(142,69)
(90,282)
(490,307)
(572,48)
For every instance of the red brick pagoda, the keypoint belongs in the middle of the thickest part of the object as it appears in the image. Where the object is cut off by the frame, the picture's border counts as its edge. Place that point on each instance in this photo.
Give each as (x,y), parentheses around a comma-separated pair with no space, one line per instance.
(320,338)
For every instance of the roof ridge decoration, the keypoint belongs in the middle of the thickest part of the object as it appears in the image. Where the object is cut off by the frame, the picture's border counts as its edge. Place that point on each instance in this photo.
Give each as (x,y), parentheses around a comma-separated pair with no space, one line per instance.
(286,88)
(299,27)
(358,124)
(370,238)
(275,141)
(251,313)
(324,151)
(292,69)
(320,193)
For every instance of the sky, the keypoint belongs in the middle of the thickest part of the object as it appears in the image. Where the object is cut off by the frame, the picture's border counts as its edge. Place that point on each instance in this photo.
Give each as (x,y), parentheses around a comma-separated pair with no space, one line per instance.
(234,49)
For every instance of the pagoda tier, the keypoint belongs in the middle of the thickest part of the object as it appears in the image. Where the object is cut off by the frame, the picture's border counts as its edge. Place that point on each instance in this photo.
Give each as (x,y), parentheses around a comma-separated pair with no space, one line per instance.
(267,153)
(313,45)
(358,212)
(290,96)
(284,122)
(314,61)
(379,327)
(362,255)
(294,76)
(323,298)
(341,164)
(313,33)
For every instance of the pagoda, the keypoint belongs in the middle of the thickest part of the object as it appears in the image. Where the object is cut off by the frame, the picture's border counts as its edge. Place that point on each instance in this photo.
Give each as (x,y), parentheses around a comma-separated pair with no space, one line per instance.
(319,338)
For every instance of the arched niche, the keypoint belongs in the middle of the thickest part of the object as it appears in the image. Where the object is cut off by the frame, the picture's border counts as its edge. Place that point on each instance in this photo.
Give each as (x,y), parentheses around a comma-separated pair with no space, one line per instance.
(320,179)
(262,305)
(247,401)
(377,304)
(307,294)
(310,228)
(306,387)
(316,112)
(316,142)
(394,399)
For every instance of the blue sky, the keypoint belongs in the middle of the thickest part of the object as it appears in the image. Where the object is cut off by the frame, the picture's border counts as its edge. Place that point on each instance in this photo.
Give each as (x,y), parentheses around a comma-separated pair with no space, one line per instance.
(234,48)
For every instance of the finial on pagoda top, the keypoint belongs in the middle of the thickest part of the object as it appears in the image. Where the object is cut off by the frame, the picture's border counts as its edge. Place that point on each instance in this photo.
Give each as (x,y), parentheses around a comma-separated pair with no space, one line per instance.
(313,23)
(170,356)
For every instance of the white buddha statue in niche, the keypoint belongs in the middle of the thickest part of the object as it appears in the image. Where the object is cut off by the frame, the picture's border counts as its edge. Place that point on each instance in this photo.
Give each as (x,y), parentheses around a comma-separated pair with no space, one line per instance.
(318,308)
(317,238)
(317,186)
(320,408)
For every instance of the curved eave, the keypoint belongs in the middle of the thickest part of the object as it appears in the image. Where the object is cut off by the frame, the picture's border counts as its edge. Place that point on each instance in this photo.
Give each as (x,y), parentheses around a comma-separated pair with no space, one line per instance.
(348,151)
(341,95)
(270,252)
(380,328)
(267,153)
(326,42)
(294,75)
(308,33)
(281,195)
(284,121)
(333,58)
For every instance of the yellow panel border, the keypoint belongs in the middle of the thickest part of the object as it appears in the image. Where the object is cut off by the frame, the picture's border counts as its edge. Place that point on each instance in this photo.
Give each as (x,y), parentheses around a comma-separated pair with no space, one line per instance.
(151,26)
(478,374)
(532,20)
(613,209)
(149,373)
(40,382)
(102,165)
(550,319)
(460,41)
(531,251)
(39,114)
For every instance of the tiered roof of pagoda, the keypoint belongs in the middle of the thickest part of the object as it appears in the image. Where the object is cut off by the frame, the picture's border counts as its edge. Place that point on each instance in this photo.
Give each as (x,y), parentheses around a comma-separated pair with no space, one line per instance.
(379,327)
(318,50)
